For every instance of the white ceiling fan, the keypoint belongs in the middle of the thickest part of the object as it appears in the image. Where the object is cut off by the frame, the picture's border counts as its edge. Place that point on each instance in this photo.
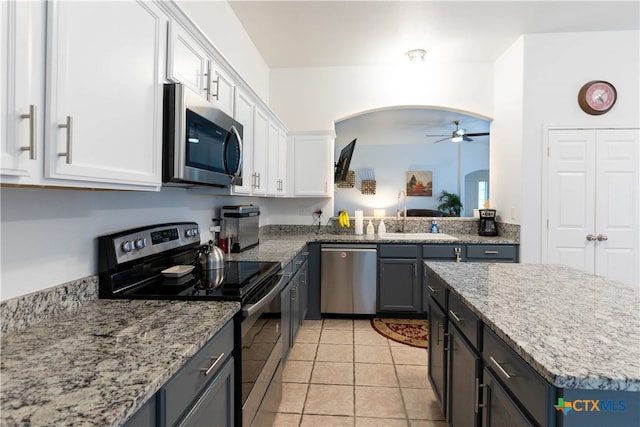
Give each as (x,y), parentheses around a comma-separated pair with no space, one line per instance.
(459,134)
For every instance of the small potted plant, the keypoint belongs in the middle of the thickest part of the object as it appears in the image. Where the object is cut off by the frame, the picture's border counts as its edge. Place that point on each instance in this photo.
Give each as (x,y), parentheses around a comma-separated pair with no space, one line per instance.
(451,205)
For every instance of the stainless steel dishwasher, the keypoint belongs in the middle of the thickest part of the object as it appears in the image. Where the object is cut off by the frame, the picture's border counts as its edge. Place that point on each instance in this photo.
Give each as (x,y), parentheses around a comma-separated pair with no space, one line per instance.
(348,279)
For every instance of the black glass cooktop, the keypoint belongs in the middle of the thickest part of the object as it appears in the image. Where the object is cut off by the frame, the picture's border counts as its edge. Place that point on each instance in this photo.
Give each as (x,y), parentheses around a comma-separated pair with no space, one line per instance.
(237,281)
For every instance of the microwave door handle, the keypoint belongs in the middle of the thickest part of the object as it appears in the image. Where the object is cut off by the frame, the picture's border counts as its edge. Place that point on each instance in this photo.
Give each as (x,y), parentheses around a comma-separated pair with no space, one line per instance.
(238,171)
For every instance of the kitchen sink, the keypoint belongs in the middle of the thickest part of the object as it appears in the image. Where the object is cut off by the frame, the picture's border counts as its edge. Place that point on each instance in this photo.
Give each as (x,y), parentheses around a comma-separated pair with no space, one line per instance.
(416,236)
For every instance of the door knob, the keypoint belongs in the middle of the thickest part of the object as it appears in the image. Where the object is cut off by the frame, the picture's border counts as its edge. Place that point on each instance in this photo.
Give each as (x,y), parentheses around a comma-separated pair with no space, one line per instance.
(591,237)
(601,238)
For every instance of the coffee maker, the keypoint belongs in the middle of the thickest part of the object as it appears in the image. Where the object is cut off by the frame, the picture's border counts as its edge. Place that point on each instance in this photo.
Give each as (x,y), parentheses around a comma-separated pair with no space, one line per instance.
(488,225)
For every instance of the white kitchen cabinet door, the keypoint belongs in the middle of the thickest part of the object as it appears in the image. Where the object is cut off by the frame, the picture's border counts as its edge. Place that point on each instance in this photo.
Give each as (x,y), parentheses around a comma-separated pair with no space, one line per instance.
(260,152)
(273,152)
(105,76)
(282,162)
(22,53)
(312,164)
(191,64)
(593,201)
(243,106)
(222,89)
(187,61)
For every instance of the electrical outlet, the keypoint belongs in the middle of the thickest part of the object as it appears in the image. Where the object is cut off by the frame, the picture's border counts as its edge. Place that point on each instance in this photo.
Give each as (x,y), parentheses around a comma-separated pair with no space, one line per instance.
(513,212)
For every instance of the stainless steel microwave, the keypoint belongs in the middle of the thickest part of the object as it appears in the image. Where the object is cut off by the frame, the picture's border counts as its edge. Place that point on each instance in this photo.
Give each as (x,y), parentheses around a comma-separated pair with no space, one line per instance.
(201,144)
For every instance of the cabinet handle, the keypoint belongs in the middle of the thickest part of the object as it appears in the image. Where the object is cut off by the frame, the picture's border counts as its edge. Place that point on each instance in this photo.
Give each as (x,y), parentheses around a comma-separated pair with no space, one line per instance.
(500,368)
(259,180)
(69,127)
(477,395)
(491,252)
(33,127)
(435,291)
(217,94)
(591,237)
(602,238)
(455,316)
(208,76)
(208,370)
(458,252)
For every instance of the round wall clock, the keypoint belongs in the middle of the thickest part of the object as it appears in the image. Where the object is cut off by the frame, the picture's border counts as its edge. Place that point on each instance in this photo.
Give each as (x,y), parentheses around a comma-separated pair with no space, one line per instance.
(597,97)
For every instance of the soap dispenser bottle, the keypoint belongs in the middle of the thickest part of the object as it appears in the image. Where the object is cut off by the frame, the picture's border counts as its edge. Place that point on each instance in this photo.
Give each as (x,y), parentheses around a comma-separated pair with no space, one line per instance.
(382,229)
(434,227)
(370,229)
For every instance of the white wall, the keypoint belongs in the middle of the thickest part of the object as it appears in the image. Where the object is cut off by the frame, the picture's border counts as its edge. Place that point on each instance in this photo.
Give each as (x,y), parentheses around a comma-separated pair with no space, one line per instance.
(555,68)
(48,236)
(506,135)
(220,23)
(314,98)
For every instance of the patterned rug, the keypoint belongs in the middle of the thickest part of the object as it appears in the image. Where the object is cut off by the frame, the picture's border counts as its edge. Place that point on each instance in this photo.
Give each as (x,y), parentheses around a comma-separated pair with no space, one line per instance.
(413,332)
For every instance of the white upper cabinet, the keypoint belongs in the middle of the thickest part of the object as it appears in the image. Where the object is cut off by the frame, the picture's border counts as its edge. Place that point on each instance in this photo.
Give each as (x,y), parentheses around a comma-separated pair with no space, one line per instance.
(243,106)
(187,61)
(311,163)
(190,63)
(22,53)
(260,152)
(275,186)
(104,90)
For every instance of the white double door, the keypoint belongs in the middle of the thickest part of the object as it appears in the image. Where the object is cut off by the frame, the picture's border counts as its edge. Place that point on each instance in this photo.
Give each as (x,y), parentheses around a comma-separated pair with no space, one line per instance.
(593,205)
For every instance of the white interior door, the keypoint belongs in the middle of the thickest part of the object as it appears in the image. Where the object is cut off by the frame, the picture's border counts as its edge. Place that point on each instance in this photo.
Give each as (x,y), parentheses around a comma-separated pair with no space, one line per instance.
(617,201)
(571,199)
(594,201)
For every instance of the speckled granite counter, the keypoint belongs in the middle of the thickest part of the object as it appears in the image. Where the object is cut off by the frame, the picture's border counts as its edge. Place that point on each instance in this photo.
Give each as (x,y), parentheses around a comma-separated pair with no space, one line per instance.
(579,331)
(98,364)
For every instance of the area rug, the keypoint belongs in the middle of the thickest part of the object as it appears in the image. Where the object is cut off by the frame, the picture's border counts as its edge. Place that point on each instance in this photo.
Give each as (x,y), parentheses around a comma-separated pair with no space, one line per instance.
(413,332)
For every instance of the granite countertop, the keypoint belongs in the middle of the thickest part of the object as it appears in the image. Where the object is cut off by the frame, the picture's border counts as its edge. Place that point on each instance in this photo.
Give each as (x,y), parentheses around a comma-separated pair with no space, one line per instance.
(98,364)
(578,330)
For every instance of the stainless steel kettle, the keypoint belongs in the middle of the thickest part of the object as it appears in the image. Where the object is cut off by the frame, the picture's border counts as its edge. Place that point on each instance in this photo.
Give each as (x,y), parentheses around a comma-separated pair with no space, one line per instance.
(211,257)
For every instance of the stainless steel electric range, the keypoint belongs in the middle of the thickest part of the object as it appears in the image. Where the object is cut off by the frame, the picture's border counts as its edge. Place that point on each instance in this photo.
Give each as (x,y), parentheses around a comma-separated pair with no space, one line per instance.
(131,265)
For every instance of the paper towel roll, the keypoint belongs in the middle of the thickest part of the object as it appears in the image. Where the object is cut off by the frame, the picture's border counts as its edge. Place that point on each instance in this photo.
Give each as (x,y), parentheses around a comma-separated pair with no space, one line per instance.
(358,222)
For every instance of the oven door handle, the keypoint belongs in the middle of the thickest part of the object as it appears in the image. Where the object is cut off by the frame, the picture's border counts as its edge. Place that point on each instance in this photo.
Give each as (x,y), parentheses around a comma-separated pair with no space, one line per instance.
(250,309)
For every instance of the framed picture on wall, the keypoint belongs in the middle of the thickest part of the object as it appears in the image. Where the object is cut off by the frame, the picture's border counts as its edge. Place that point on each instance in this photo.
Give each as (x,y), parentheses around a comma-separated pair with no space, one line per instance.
(419,183)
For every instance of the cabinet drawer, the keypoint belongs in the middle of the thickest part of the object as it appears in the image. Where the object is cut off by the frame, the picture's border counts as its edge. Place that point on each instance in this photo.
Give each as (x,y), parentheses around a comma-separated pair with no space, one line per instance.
(465,320)
(444,252)
(436,289)
(187,384)
(530,389)
(399,251)
(492,252)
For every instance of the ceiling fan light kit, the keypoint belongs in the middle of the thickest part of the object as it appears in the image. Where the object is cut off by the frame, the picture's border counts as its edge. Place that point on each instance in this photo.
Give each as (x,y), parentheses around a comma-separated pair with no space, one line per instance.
(459,134)
(416,55)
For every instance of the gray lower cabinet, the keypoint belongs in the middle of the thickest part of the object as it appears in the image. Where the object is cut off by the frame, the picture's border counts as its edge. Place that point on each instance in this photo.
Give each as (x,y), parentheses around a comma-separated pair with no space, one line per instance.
(463,376)
(294,300)
(492,253)
(145,417)
(437,354)
(398,281)
(498,408)
(214,408)
(204,388)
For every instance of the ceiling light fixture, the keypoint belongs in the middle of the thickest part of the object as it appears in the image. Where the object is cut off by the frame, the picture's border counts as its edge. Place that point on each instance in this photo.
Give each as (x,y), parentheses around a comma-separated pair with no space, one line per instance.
(416,55)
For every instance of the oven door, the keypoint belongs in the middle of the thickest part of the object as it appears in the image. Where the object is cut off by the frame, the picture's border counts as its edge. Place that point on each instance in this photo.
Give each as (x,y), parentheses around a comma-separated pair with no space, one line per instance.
(261,357)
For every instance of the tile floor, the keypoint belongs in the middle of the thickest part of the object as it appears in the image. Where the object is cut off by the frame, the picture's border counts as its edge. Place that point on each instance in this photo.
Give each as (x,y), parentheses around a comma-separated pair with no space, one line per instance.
(343,373)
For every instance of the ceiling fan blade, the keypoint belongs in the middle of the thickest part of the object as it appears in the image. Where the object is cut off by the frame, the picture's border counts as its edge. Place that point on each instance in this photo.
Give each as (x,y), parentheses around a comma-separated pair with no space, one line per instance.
(466,138)
(440,140)
(478,134)
(441,135)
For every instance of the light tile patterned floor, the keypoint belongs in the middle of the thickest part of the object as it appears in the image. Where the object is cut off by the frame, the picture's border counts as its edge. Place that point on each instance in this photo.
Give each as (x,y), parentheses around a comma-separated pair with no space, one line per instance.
(343,373)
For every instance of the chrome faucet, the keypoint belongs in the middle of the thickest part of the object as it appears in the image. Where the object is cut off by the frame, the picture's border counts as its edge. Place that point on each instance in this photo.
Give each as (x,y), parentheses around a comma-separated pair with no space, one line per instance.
(404,223)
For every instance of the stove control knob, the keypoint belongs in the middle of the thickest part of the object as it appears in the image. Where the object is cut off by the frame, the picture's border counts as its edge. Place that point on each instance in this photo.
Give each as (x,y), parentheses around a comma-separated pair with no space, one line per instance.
(141,243)
(192,232)
(127,246)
